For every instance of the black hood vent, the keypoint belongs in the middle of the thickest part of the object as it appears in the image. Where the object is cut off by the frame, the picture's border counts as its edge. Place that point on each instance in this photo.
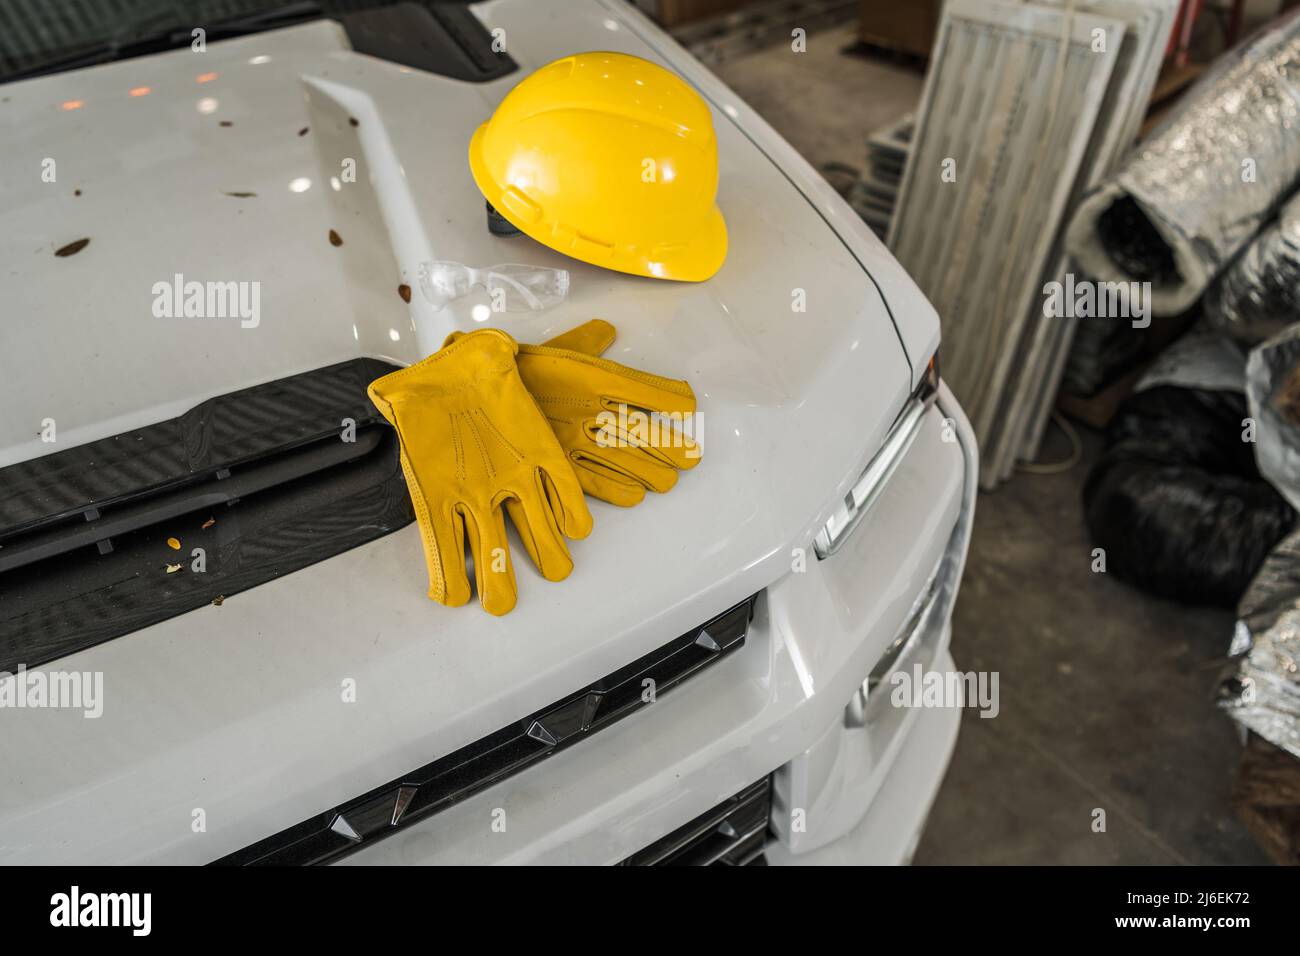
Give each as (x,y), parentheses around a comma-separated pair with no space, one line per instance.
(264,481)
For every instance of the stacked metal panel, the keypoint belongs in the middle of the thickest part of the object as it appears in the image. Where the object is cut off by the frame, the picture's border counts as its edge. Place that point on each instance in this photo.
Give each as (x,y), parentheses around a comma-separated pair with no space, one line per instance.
(1008,110)
(1147,26)
(1025,106)
(875,195)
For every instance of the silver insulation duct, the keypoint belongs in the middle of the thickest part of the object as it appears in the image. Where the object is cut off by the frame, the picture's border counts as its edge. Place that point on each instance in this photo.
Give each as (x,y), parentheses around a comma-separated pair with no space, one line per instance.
(1258,296)
(1200,187)
(1264,694)
(1273,395)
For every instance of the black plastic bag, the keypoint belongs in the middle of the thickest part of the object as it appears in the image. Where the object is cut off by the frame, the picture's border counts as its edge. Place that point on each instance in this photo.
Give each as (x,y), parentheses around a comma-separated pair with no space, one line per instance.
(1177,501)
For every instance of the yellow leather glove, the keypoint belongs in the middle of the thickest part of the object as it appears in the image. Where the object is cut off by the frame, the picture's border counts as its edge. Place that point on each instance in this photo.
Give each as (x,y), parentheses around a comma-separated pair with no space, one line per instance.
(473,441)
(601,413)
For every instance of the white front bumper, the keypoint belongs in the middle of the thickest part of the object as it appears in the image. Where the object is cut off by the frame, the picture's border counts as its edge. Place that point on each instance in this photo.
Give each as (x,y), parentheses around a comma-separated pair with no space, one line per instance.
(776,706)
(889,831)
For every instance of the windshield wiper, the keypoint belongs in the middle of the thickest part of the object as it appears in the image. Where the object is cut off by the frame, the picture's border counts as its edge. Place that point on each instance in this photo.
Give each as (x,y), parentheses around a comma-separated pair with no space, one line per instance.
(144,41)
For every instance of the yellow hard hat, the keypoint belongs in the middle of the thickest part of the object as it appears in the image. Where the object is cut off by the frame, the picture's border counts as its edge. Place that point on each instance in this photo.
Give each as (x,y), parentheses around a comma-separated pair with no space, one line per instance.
(610,159)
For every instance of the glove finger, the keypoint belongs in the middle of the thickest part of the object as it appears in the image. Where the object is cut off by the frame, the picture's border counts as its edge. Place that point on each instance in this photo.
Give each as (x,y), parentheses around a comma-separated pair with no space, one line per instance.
(540,533)
(654,439)
(590,338)
(650,393)
(607,485)
(617,384)
(649,411)
(444,552)
(634,464)
(493,572)
(563,495)
(682,452)
(444,544)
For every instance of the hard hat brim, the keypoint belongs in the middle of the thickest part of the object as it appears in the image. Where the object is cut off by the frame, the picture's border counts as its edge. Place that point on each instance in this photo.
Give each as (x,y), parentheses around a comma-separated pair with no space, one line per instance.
(702,257)
(694,261)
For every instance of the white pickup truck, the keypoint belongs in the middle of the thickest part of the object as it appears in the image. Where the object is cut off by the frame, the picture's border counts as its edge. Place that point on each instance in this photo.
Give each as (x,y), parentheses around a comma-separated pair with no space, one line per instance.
(184,539)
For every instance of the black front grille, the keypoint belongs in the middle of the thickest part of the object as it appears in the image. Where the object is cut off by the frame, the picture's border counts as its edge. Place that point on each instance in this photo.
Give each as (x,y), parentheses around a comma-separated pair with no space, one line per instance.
(263,481)
(448,780)
(731,834)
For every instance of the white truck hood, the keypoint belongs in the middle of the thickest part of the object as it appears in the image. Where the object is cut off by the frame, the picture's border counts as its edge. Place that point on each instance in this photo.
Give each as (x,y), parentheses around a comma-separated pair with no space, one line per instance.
(236,709)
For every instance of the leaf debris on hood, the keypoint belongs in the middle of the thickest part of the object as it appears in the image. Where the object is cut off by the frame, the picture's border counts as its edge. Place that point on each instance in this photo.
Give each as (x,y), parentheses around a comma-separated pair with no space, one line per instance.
(208,524)
(303,131)
(174,544)
(72,248)
(173,568)
(335,238)
(404,291)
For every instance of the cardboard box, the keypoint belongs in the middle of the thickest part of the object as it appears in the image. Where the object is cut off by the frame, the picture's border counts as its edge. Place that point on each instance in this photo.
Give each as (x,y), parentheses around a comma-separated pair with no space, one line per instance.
(671,13)
(908,27)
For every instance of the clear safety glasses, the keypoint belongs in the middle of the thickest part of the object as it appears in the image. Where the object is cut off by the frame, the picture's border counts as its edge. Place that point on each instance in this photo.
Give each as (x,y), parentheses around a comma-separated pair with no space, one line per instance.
(512,287)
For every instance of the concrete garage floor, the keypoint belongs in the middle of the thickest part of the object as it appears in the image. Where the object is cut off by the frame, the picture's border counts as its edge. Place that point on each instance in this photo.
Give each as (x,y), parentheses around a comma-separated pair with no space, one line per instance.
(1105,693)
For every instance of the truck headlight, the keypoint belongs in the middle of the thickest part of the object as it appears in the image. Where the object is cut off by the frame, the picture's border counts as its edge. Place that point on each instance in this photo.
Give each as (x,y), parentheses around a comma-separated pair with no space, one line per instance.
(859,499)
